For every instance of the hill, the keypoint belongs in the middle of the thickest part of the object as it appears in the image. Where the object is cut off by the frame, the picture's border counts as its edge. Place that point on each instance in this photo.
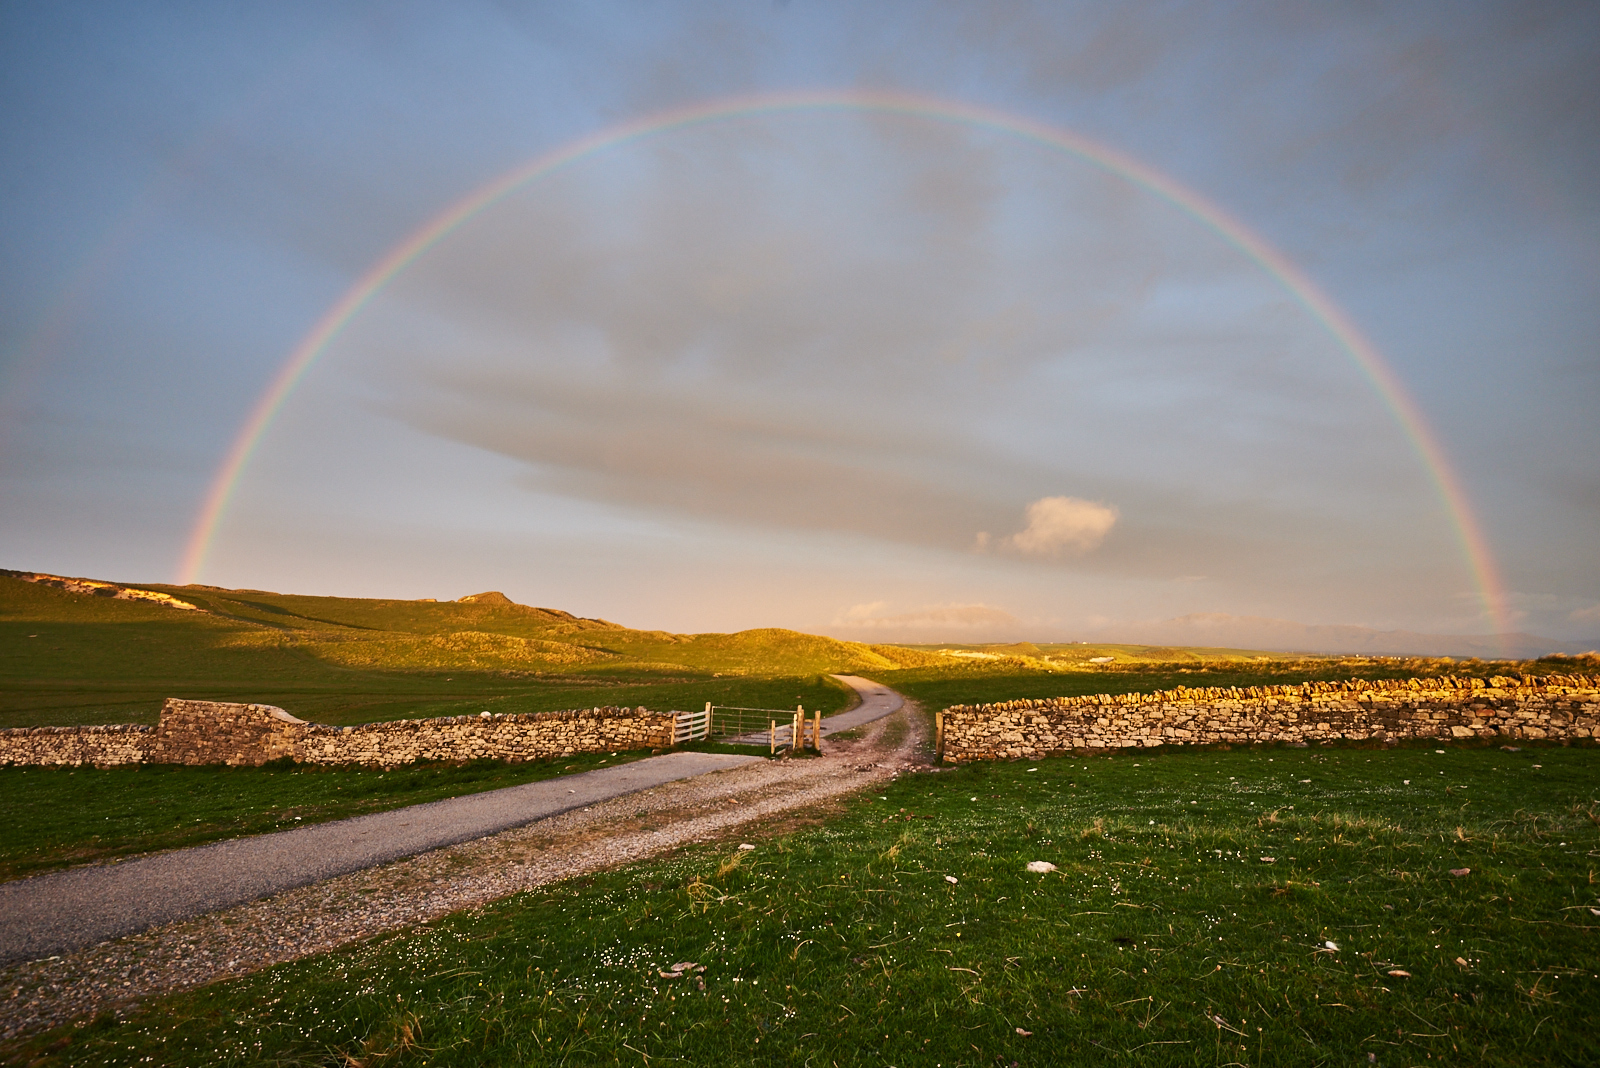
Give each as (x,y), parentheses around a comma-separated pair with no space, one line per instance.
(88,650)
(1216,628)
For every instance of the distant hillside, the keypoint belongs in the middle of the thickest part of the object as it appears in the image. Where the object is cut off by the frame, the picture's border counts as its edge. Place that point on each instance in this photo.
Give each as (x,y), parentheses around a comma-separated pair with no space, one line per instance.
(485,632)
(1219,629)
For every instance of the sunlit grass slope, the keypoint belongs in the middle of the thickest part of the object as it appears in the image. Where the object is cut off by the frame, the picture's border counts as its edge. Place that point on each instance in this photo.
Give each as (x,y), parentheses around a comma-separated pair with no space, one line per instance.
(77,658)
(1255,907)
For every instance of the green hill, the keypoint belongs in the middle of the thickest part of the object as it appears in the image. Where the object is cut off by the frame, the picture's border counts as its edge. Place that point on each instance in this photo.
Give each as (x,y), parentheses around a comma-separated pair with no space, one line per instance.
(89,651)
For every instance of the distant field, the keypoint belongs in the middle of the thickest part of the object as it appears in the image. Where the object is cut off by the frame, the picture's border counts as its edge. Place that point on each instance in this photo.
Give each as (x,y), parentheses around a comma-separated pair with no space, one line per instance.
(1280,907)
(1136,670)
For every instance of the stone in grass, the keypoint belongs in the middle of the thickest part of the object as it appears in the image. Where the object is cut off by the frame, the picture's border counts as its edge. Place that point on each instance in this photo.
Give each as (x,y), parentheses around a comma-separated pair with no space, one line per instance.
(1459,872)
(1041,866)
(745,846)
(1398,973)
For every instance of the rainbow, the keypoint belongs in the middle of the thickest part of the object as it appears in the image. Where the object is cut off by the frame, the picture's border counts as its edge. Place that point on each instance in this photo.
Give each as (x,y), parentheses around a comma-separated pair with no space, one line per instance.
(1473,544)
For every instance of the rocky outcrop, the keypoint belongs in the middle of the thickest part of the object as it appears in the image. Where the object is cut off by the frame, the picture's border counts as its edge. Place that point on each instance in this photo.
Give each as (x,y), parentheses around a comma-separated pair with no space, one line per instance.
(491,597)
(96,588)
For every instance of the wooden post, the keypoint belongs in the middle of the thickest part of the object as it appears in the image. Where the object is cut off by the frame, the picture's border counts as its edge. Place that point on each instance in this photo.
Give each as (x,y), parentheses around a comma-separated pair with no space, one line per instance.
(709,723)
(772,737)
(795,728)
(816,729)
(938,738)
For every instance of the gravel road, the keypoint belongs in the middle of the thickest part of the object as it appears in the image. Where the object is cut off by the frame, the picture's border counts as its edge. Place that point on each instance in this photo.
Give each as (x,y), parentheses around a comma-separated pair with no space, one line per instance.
(751,798)
(877,701)
(67,910)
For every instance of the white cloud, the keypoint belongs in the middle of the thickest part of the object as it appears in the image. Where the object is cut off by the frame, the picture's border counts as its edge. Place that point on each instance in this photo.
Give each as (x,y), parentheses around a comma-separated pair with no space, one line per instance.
(941,616)
(1057,524)
(861,613)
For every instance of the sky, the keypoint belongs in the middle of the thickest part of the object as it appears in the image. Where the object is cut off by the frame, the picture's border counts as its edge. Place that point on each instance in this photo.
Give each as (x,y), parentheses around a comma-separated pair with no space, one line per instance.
(899,321)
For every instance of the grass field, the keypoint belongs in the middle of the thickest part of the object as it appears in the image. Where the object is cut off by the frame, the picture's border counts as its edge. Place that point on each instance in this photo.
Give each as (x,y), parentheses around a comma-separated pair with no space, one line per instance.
(70,658)
(1272,907)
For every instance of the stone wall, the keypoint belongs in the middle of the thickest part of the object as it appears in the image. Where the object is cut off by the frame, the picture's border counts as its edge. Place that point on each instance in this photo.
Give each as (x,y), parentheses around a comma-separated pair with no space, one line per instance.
(215,732)
(120,743)
(532,736)
(1557,707)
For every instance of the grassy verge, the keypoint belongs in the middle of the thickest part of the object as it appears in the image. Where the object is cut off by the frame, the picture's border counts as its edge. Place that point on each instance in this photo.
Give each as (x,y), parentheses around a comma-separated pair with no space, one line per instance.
(908,931)
(55,817)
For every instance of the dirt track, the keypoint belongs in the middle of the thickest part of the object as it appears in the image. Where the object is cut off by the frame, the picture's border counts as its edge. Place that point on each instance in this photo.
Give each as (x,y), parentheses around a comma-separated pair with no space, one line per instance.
(752,800)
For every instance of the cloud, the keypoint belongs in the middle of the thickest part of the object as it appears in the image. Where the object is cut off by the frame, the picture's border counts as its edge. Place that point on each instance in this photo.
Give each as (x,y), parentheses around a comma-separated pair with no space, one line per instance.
(1063,524)
(1585,615)
(944,617)
(778,329)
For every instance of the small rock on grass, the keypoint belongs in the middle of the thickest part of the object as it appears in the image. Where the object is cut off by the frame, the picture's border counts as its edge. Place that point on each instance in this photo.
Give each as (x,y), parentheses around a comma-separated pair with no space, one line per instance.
(1399,973)
(1041,866)
(1459,872)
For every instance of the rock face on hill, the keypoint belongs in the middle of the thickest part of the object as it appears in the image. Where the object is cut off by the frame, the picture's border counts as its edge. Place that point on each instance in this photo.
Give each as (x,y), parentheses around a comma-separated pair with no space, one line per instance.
(96,588)
(491,597)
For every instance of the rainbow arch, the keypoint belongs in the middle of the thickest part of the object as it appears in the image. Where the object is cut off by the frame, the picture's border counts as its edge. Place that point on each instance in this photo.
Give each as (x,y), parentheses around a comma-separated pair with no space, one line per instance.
(1387,385)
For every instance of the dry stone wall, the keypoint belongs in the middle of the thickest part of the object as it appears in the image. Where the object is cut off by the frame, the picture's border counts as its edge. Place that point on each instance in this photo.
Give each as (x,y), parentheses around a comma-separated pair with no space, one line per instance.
(216,732)
(1558,707)
(108,746)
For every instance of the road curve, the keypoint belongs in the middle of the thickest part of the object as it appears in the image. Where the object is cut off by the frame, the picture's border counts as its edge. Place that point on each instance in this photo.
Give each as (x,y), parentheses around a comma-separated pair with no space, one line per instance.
(877,701)
(66,910)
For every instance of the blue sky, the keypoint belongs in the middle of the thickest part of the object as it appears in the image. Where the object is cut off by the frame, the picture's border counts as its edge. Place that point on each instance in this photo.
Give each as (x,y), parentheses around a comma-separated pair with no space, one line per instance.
(854,372)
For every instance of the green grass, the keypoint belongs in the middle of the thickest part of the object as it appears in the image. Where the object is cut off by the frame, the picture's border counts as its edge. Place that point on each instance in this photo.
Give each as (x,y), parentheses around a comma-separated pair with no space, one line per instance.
(60,816)
(71,658)
(1163,938)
